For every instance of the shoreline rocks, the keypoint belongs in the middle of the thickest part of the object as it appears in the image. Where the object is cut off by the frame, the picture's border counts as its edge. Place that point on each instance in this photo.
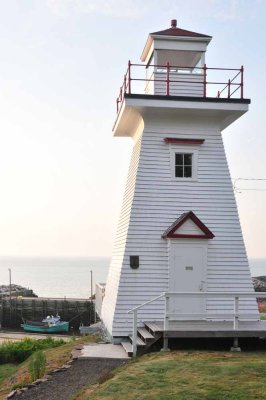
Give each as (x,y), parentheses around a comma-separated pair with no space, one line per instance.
(16,290)
(259,283)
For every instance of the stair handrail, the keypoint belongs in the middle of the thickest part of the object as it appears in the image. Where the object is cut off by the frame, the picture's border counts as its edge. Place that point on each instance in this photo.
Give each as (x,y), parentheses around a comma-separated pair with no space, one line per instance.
(135,321)
(146,302)
(235,295)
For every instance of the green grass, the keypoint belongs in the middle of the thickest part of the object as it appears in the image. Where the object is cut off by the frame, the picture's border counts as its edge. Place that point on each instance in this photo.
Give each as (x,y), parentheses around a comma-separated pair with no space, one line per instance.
(186,376)
(7,370)
(16,352)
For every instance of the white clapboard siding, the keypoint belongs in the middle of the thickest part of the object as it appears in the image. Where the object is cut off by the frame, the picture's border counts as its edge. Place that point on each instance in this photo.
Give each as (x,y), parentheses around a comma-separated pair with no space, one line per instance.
(152,202)
(114,274)
(181,84)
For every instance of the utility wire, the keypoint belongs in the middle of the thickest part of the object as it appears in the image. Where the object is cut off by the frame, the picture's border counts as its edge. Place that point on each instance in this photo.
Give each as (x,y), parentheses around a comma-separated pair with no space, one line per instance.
(239,190)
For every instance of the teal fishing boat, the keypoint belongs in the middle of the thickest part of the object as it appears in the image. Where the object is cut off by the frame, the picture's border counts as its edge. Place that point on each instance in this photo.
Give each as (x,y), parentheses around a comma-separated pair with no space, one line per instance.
(50,324)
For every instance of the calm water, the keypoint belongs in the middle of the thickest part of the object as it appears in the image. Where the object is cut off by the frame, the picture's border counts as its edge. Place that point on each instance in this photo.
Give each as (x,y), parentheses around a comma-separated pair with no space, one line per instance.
(55,277)
(70,277)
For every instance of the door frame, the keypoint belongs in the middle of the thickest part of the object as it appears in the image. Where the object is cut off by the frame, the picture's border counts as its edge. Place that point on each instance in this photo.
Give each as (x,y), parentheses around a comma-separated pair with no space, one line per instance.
(203,244)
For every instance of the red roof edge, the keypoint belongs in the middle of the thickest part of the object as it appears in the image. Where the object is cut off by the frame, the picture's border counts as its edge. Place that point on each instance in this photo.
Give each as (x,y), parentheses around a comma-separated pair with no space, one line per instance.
(183,141)
(170,232)
(175,31)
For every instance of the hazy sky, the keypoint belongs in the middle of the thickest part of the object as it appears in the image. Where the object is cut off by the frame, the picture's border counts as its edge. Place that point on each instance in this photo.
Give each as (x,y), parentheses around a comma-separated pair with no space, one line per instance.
(62,174)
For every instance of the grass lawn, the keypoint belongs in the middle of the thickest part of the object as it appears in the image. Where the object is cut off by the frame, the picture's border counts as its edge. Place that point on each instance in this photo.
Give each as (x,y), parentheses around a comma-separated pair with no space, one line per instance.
(186,376)
(55,358)
(7,370)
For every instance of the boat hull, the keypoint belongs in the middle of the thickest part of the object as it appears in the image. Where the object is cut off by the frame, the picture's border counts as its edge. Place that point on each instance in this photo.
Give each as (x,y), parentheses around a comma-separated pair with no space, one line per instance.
(63,327)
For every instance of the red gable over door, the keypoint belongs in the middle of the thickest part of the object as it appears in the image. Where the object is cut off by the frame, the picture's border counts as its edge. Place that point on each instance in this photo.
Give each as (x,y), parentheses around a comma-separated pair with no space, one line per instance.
(195,230)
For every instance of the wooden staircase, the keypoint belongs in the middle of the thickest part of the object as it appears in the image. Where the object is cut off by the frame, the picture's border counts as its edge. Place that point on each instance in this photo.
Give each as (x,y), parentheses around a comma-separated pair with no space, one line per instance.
(147,336)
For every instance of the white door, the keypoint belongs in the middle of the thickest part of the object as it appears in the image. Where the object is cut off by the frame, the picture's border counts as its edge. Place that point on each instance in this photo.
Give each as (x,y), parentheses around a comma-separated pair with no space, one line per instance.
(187,274)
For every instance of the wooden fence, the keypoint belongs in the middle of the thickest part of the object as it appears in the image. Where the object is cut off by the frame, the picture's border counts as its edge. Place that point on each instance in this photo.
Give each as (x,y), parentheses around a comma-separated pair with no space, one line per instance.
(77,311)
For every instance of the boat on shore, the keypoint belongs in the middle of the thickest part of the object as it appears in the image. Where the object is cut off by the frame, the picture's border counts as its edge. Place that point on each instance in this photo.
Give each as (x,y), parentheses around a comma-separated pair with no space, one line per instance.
(50,324)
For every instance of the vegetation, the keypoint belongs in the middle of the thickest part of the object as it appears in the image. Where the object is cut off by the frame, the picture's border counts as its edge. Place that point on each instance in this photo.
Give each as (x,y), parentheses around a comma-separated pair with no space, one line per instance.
(6,370)
(37,365)
(17,352)
(186,376)
(55,358)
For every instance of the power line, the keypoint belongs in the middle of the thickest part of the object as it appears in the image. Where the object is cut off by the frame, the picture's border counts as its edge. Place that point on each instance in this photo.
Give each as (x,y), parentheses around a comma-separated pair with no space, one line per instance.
(239,190)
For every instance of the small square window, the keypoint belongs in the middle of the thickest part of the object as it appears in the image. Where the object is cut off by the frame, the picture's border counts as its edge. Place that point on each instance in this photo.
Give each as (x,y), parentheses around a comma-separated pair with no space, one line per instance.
(183,165)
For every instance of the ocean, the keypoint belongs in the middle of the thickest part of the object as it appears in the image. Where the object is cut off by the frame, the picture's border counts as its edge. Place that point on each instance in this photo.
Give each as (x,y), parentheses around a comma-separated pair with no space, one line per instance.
(55,277)
(69,277)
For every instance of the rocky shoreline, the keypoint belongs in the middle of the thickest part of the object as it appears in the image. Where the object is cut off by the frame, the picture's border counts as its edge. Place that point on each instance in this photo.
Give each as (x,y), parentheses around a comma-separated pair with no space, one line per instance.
(259,283)
(16,290)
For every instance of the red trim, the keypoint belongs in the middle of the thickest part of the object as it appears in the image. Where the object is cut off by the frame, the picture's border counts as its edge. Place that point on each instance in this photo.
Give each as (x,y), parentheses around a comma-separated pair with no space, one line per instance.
(183,141)
(170,232)
(204,80)
(168,79)
(235,84)
(175,31)
(183,236)
(242,82)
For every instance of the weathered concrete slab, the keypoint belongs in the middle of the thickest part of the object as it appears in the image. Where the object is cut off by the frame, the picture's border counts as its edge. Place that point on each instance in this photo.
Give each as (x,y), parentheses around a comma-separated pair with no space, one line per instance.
(99,350)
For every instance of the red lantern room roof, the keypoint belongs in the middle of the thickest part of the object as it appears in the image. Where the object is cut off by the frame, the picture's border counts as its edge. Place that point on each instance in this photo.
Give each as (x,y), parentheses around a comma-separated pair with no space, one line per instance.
(173,34)
(175,31)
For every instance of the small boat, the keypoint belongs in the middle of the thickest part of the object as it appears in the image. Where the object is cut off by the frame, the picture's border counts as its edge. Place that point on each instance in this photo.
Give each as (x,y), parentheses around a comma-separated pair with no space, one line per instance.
(50,324)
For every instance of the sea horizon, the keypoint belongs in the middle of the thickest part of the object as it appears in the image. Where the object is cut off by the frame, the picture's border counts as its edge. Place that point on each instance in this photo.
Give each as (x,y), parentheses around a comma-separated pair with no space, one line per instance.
(59,276)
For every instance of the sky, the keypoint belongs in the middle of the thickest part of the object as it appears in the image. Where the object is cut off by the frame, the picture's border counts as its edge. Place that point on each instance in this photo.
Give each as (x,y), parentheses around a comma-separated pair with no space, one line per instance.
(62,174)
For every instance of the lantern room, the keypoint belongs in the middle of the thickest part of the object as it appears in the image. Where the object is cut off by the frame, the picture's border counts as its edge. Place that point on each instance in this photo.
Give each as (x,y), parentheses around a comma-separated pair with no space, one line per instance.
(177,56)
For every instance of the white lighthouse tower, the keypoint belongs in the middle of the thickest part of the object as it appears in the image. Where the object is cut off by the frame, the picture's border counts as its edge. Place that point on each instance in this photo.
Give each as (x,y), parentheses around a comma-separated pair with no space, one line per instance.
(179,243)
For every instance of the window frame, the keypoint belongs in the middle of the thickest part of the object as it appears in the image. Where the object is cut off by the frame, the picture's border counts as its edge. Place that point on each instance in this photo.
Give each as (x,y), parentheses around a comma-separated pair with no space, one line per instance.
(176,149)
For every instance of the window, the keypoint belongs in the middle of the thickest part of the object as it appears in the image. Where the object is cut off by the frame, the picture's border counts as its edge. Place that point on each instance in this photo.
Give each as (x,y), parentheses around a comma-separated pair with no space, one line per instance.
(183,165)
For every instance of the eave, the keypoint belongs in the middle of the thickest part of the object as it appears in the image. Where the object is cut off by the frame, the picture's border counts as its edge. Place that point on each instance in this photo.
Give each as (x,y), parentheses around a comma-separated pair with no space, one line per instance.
(137,106)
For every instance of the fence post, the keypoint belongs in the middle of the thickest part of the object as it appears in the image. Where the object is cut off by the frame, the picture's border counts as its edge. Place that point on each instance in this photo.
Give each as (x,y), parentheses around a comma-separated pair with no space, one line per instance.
(1,313)
(242,82)
(135,332)
(229,88)
(129,77)
(218,94)
(167,79)
(236,310)
(166,323)
(204,80)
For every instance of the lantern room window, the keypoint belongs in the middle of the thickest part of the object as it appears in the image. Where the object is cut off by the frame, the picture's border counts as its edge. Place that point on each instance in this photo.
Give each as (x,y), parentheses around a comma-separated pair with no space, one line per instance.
(183,165)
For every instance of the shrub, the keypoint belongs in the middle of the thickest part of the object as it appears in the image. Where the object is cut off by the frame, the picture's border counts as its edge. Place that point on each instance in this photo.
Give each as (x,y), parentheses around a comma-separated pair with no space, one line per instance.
(16,352)
(37,365)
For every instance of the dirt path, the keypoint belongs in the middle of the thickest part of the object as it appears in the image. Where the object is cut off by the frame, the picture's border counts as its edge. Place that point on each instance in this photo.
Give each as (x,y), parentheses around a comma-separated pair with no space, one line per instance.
(63,385)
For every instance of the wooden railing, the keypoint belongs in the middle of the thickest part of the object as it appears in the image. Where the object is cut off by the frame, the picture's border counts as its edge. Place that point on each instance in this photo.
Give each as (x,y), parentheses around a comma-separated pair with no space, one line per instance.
(233,316)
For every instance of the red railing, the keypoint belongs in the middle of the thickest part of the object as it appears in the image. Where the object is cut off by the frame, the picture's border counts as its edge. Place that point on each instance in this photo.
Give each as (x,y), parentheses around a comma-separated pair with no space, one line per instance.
(207,85)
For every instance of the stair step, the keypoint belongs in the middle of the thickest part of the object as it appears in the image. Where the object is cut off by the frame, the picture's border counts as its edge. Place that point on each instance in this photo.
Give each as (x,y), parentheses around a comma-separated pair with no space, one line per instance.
(146,335)
(154,327)
(128,347)
(139,341)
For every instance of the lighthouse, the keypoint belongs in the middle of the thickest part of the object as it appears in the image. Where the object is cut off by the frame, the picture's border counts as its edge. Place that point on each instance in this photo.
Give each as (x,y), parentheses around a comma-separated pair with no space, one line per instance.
(179,232)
